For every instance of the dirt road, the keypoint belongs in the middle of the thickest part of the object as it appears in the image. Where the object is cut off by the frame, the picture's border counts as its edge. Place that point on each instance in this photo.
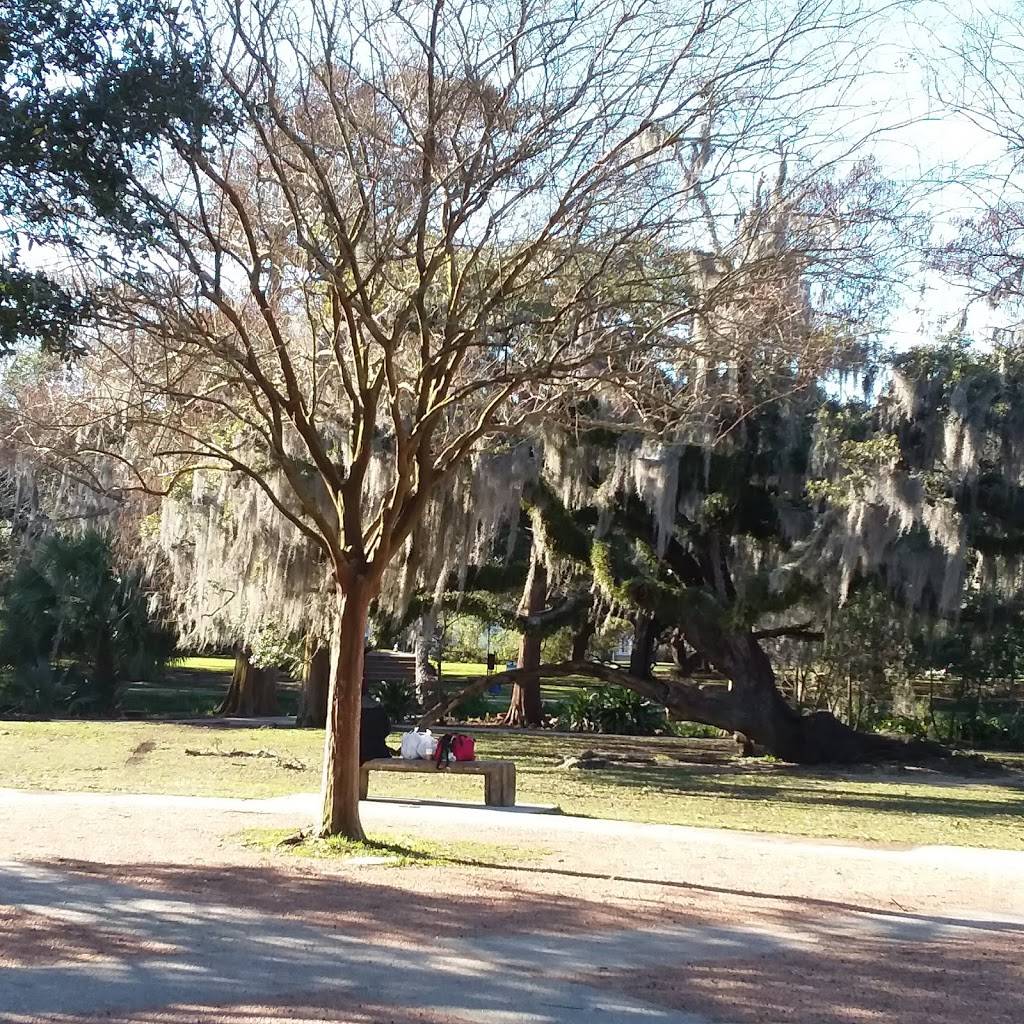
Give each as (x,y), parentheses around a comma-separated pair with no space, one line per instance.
(149,910)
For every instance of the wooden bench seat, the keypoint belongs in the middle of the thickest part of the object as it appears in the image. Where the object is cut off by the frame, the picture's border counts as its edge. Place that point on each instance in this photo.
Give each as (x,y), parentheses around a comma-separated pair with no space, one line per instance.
(499,776)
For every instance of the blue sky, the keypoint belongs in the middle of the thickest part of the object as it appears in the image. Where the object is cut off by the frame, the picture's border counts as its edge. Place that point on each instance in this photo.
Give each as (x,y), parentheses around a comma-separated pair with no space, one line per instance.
(942,149)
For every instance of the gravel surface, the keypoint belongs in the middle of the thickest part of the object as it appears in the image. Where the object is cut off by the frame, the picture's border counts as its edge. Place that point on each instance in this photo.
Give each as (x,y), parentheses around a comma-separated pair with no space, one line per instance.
(149,910)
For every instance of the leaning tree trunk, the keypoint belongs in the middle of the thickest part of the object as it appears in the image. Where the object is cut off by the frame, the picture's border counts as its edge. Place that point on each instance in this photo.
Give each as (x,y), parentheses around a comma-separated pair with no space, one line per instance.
(340,816)
(752,706)
(756,710)
(645,636)
(316,684)
(525,707)
(253,691)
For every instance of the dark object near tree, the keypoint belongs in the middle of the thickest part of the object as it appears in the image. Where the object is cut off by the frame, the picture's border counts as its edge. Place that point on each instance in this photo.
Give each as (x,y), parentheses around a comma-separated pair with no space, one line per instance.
(374,728)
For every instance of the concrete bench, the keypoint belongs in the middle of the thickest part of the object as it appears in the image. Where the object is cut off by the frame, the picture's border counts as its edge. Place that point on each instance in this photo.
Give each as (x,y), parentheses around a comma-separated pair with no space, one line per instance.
(499,776)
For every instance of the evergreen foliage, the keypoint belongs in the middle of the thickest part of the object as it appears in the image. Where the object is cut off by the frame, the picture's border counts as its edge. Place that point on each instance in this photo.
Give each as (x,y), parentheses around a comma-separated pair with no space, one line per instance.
(85,89)
(73,627)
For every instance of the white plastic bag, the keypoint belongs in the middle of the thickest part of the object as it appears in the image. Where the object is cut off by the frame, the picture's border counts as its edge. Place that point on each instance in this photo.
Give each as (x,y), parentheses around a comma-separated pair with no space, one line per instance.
(411,745)
(417,746)
(427,745)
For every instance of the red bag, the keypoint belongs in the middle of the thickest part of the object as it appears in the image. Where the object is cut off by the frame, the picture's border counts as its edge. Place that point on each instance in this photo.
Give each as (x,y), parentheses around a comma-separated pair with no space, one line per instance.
(463,748)
(454,747)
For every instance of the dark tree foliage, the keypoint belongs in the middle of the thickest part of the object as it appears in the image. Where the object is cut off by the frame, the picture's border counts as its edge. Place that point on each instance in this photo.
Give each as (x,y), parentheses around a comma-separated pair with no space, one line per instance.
(88,87)
(71,612)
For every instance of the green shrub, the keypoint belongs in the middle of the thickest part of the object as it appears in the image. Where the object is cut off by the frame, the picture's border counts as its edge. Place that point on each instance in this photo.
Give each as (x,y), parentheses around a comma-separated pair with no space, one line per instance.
(903,725)
(695,731)
(554,713)
(37,690)
(614,710)
(476,706)
(397,697)
(577,713)
(1004,731)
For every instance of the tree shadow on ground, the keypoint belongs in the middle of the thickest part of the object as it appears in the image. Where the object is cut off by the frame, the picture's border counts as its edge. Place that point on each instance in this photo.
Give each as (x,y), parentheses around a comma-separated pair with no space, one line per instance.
(854,981)
(760,898)
(716,783)
(328,1009)
(268,945)
(358,900)
(259,936)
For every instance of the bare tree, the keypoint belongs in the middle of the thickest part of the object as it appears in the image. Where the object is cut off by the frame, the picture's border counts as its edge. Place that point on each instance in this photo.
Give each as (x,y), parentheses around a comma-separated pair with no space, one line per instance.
(434,226)
(978,80)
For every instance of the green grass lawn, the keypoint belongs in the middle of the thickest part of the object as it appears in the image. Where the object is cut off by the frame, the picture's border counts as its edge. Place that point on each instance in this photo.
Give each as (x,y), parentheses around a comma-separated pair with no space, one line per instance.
(195,687)
(396,849)
(911,807)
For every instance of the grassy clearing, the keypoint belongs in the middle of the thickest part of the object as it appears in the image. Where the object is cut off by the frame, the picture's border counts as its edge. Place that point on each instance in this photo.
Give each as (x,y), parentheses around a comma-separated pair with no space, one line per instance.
(215,665)
(195,687)
(908,807)
(395,850)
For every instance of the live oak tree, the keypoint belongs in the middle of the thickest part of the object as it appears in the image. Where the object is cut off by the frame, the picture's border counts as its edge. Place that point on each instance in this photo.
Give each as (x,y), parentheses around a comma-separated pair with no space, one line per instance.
(432,228)
(915,493)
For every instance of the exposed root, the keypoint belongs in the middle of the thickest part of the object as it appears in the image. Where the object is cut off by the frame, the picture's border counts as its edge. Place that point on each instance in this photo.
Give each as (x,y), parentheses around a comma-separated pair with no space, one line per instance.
(291,763)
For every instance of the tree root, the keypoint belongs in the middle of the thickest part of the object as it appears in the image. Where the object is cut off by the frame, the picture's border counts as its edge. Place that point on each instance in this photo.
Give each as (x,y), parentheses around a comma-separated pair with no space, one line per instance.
(291,763)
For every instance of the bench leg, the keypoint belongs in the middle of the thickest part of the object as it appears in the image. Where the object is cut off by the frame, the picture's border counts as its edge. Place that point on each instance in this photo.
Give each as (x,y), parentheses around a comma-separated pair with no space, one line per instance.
(500,788)
(364,782)
(493,790)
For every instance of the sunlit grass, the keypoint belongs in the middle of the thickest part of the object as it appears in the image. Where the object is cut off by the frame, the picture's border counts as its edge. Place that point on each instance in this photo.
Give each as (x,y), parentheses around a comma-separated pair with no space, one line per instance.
(905,808)
(393,850)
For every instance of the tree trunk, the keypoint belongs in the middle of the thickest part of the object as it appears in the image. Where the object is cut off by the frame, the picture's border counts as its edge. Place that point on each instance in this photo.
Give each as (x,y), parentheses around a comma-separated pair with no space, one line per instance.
(641,657)
(316,684)
(426,675)
(253,691)
(340,793)
(752,708)
(525,707)
(581,640)
(104,672)
(755,708)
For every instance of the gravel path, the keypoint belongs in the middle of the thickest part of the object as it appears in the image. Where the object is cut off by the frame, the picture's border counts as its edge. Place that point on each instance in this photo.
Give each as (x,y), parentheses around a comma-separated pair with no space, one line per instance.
(147,909)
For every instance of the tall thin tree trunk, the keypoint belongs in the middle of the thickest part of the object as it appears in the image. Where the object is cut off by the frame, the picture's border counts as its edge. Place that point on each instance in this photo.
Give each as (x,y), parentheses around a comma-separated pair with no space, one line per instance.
(253,691)
(316,684)
(525,707)
(641,657)
(581,640)
(340,791)
(426,676)
(104,673)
